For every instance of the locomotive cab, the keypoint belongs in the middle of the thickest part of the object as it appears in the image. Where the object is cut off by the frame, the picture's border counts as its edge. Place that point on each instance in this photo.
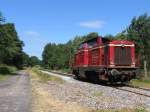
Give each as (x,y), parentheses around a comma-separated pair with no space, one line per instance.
(102,59)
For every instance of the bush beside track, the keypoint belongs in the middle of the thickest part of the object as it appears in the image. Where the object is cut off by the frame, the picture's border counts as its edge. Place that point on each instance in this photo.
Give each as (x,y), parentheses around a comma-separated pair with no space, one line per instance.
(6,71)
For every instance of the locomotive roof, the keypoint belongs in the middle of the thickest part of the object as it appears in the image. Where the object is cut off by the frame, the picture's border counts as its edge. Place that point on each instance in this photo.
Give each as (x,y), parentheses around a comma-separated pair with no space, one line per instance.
(104,40)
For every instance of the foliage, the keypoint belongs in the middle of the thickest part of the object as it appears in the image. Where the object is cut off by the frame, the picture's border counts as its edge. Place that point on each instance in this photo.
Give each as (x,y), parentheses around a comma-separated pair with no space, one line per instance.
(54,56)
(60,56)
(109,36)
(11,47)
(90,36)
(33,61)
(121,36)
(25,59)
(139,32)
(4,69)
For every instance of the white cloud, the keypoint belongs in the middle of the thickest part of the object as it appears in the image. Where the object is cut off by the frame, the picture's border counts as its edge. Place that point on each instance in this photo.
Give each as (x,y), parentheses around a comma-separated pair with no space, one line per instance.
(34,36)
(92,24)
(32,33)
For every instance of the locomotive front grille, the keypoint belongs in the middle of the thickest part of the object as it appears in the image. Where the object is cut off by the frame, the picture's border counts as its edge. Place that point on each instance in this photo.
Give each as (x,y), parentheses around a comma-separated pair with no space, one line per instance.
(122,56)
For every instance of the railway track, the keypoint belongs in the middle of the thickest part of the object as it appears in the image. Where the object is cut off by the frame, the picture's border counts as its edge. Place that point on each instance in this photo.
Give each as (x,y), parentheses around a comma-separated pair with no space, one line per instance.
(138,91)
(128,88)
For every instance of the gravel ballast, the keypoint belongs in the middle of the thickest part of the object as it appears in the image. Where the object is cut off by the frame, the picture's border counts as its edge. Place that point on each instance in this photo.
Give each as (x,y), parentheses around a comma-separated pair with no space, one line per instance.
(94,96)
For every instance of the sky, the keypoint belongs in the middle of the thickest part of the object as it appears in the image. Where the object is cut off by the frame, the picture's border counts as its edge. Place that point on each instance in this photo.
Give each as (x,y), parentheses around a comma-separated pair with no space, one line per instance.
(39,22)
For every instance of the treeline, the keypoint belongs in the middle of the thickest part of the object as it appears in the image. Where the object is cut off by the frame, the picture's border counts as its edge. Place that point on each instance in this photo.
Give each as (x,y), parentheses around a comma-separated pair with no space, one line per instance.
(11,47)
(58,56)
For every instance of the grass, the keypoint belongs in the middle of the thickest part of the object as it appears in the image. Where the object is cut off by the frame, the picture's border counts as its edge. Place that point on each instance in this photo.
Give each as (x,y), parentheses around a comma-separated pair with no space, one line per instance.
(141,82)
(136,109)
(45,77)
(66,70)
(97,93)
(140,109)
(63,70)
(4,77)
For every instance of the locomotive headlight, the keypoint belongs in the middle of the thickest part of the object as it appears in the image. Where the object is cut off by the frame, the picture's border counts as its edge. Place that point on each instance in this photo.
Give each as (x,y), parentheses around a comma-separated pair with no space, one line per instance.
(122,45)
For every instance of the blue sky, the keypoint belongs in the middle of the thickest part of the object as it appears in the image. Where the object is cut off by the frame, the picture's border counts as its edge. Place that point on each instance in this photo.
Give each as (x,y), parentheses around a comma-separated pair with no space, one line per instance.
(42,21)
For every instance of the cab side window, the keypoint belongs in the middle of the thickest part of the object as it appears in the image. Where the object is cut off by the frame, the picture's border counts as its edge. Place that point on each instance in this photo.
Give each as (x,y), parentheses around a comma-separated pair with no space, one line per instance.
(92,42)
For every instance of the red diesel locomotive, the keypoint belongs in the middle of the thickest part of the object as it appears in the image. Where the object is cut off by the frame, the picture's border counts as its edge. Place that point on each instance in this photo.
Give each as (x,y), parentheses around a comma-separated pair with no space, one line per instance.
(100,59)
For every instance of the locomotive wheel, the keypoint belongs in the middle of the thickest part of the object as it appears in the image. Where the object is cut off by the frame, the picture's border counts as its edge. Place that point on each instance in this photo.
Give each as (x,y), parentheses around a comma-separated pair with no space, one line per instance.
(92,76)
(96,79)
(77,77)
(76,74)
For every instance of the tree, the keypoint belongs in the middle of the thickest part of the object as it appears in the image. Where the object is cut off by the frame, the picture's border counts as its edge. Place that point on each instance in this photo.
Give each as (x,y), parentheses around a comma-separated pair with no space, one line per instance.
(71,48)
(10,45)
(139,32)
(25,59)
(57,56)
(33,61)
(109,36)
(121,36)
(90,36)
(49,56)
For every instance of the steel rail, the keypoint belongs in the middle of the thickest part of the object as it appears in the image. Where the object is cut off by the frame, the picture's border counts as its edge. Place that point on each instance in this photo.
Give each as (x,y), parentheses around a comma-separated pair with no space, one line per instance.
(138,93)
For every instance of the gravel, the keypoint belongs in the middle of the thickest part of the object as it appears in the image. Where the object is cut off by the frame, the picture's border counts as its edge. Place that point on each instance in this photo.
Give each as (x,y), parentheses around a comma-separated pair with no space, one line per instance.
(94,96)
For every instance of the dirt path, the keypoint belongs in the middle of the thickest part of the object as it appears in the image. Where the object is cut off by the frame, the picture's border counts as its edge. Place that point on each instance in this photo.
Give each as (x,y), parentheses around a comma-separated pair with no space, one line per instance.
(15,93)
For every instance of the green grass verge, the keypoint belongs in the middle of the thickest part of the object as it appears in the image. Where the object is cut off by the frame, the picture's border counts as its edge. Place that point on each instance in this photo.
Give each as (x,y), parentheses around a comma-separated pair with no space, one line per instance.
(45,77)
(141,82)
(66,70)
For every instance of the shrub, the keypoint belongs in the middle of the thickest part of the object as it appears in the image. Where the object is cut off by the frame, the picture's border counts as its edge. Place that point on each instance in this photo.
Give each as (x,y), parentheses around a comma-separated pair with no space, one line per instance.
(4,69)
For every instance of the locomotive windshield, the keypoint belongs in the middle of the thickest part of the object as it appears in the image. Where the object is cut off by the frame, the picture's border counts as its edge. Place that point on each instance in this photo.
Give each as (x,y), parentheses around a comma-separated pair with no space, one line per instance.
(92,42)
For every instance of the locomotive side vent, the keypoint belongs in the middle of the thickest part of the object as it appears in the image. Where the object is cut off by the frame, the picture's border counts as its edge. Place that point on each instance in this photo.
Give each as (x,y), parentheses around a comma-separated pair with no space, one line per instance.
(122,56)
